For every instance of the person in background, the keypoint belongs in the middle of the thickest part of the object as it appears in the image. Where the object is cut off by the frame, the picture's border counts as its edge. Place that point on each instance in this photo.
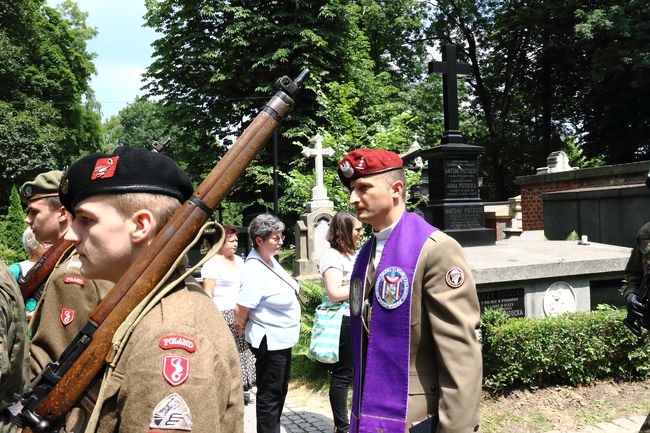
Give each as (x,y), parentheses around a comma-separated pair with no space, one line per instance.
(221,280)
(35,249)
(14,374)
(178,368)
(268,311)
(336,267)
(414,311)
(634,276)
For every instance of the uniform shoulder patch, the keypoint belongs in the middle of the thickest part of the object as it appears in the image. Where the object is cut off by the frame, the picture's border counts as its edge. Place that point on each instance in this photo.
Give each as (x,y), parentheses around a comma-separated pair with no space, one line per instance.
(74,279)
(172,413)
(175,369)
(455,277)
(177,342)
(67,316)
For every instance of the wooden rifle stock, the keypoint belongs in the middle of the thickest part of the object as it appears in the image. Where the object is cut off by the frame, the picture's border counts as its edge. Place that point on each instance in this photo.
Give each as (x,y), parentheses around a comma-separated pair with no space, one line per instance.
(39,273)
(151,267)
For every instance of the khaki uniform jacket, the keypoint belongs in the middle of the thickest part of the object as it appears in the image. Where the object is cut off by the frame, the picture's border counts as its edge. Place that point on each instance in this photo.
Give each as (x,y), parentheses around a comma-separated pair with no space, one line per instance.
(445,363)
(64,308)
(179,371)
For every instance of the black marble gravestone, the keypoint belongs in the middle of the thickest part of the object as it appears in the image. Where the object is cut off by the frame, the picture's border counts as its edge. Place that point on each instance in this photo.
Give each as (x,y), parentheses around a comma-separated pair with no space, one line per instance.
(451,178)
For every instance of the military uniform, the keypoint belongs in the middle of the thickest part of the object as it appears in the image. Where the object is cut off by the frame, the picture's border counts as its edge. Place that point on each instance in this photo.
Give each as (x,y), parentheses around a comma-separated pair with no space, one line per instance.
(13,346)
(637,266)
(64,308)
(178,371)
(414,312)
(13,339)
(174,366)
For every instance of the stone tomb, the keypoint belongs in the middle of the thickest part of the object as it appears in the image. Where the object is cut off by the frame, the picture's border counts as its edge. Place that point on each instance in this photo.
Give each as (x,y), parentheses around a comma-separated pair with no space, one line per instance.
(537,278)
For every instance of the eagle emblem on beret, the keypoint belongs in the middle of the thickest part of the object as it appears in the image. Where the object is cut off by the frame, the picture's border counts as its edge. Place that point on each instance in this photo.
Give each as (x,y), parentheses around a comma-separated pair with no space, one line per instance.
(346,169)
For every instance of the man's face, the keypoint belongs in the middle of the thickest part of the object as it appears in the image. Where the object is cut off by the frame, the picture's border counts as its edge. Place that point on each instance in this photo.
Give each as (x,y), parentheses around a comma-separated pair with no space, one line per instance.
(373,197)
(103,240)
(44,220)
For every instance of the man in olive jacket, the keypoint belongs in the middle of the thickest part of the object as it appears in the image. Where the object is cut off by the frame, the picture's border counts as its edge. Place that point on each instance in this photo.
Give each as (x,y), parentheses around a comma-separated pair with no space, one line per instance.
(414,312)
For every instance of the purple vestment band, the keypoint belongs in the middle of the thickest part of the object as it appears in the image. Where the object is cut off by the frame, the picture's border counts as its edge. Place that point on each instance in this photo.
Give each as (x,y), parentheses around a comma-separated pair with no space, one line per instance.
(380,387)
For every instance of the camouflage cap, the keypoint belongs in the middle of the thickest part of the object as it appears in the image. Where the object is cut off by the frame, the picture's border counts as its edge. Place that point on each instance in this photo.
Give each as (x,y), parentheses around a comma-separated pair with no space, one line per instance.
(43,185)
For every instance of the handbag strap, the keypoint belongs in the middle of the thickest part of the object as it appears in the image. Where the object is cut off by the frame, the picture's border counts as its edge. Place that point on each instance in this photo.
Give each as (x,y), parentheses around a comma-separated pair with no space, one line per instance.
(295,291)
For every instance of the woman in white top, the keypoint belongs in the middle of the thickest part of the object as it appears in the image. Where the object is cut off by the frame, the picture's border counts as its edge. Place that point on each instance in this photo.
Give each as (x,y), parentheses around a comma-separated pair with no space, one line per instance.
(221,280)
(269,312)
(336,268)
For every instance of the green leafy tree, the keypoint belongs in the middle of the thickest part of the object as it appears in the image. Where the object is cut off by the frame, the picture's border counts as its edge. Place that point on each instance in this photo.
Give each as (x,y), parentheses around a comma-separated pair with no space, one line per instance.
(45,70)
(12,227)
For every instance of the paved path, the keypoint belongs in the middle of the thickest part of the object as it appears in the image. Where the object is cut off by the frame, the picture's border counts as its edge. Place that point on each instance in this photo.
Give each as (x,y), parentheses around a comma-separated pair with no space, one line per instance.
(621,425)
(297,419)
(294,419)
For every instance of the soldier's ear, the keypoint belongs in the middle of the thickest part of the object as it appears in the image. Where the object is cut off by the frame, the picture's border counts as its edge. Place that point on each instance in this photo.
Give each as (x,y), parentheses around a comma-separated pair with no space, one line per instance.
(142,225)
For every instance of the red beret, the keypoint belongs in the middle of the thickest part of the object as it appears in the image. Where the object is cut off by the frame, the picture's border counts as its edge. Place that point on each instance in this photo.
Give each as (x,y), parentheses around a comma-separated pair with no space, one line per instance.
(366,162)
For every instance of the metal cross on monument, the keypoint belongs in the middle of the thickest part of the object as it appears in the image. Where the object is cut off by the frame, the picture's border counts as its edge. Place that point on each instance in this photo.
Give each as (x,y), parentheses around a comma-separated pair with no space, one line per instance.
(318,192)
(450,69)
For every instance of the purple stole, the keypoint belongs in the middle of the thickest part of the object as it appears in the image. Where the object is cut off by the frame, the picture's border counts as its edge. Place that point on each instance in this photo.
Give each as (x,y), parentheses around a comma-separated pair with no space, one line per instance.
(380,386)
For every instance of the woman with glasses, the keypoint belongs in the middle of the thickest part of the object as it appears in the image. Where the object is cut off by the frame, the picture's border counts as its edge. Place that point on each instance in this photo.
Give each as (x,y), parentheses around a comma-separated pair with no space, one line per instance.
(268,312)
(336,267)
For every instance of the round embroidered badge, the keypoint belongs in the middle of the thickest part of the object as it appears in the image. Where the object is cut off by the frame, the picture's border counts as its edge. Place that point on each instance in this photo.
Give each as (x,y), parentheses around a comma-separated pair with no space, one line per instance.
(455,278)
(356,295)
(391,288)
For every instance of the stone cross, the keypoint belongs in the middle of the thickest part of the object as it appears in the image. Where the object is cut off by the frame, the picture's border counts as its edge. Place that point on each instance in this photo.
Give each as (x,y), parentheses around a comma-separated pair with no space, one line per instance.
(450,69)
(318,192)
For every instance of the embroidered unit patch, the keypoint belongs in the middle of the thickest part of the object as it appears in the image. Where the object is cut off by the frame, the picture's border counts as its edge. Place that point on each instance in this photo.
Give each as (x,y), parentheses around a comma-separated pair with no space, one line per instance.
(104,168)
(67,316)
(455,278)
(175,369)
(356,296)
(74,279)
(177,342)
(392,287)
(172,413)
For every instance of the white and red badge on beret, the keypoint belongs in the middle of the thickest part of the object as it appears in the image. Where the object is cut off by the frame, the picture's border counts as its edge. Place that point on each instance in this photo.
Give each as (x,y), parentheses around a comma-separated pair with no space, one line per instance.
(366,162)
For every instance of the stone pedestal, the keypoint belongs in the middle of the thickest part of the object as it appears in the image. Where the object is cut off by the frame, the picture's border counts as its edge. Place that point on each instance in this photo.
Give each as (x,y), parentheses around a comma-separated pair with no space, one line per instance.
(454,204)
(310,231)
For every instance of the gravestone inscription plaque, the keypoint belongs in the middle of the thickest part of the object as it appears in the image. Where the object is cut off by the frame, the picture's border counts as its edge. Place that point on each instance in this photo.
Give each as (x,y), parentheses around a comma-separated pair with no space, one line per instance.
(509,300)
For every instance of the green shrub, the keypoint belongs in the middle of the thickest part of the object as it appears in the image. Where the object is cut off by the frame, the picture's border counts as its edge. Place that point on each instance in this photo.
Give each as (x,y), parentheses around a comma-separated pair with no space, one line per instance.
(571,349)
(12,226)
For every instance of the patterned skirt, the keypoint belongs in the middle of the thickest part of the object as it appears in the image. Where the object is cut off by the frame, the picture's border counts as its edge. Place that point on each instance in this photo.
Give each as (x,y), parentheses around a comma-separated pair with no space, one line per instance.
(246,357)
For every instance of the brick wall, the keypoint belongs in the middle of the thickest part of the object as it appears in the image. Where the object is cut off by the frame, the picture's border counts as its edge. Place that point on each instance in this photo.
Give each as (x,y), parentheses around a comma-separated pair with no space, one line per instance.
(532,187)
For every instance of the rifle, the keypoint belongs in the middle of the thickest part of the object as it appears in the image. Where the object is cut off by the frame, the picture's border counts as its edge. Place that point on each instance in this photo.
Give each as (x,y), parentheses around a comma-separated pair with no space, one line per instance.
(641,319)
(39,273)
(62,383)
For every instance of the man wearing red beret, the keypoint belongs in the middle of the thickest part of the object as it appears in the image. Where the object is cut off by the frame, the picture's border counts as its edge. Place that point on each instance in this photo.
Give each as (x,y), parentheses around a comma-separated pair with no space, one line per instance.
(414,312)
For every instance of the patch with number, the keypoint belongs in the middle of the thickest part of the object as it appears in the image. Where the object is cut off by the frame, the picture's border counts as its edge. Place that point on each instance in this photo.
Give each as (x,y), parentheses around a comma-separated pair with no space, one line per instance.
(67,316)
(172,413)
(455,278)
(74,279)
(356,296)
(105,168)
(392,287)
(175,369)
(177,342)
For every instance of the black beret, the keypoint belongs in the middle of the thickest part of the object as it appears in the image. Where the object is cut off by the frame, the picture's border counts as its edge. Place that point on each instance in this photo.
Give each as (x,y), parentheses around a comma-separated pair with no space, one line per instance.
(127,169)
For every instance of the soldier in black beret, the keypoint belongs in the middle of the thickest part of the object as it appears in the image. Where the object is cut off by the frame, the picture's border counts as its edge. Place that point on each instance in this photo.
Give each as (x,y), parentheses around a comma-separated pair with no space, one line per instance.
(178,368)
